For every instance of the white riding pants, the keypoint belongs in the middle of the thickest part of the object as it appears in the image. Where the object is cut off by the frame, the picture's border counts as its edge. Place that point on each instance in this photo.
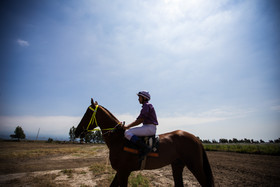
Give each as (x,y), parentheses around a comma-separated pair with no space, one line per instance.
(145,130)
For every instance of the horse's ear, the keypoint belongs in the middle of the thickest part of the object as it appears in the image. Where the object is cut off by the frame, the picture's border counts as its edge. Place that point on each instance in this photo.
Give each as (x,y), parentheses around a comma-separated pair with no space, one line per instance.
(93,103)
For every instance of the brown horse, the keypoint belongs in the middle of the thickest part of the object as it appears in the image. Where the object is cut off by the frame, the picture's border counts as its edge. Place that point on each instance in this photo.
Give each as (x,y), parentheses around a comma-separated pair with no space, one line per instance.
(177,148)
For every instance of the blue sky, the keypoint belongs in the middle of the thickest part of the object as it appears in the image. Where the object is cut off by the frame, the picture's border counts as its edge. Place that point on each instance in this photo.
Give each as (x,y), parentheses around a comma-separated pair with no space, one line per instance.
(212,68)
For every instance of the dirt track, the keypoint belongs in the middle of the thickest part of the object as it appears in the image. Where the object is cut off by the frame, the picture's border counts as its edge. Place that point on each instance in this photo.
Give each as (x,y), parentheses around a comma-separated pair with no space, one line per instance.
(229,169)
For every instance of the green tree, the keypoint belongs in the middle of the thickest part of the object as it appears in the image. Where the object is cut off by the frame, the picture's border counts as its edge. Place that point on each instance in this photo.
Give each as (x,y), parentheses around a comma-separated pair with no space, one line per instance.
(72,134)
(19,133)
(277,140)
(214,141)
(97,137)
(234,140)
(223,140)
(89,137)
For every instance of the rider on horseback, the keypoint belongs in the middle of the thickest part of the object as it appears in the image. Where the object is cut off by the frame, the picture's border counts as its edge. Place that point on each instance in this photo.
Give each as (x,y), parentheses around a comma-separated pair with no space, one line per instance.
(148,118)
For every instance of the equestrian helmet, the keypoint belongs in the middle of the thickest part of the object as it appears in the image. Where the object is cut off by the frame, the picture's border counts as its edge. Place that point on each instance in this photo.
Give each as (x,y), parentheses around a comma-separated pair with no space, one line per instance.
(145,94)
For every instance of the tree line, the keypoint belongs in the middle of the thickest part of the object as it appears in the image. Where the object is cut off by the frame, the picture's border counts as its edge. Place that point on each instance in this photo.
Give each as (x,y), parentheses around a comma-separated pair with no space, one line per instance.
(235,140)
(91,137)
(96,137)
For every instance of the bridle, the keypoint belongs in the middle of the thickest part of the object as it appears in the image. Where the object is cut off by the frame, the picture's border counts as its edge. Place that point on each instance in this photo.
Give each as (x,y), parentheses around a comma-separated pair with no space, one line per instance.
(94,121)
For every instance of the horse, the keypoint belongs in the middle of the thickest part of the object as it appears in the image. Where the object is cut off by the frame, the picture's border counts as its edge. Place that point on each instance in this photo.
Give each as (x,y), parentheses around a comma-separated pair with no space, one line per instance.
(178,148)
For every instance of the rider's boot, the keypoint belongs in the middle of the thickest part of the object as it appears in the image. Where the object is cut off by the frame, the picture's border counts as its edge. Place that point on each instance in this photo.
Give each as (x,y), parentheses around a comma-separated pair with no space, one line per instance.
(144,149)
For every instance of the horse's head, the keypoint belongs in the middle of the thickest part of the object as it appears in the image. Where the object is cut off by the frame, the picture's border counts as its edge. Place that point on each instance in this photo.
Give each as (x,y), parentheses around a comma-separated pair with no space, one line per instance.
(96,116)
(81,129)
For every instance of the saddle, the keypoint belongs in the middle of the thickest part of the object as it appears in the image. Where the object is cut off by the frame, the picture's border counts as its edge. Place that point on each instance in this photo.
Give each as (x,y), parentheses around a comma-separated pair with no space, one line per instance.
(151,141)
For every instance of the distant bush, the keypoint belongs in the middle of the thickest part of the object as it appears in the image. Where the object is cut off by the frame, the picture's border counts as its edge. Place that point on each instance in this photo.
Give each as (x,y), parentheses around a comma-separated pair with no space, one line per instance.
(235,141)
(222,140)
(214,141)
(277,141)
(206,141)
(265,149)
(50,140)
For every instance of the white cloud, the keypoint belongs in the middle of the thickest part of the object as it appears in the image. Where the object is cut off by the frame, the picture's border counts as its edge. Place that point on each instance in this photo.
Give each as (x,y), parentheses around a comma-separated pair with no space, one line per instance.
(60,125)
(23,43)
(174,27)
(184,121)
(215,123)
(275,108)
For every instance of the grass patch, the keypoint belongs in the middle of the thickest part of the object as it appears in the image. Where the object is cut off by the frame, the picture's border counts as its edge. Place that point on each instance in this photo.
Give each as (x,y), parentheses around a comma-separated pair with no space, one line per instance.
(36,181)
(106,181)
(83,185)
(24,150)
(101,168)
(83,172)
(265,149)
(68,172)
(35,153)
(136,180)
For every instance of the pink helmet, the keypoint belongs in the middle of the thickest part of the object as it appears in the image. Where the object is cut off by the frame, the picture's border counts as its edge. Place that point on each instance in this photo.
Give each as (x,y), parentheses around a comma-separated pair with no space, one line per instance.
(144,94)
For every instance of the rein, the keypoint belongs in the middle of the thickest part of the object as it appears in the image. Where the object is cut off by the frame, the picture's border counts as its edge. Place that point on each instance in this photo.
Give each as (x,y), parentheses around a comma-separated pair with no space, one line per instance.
(93,120)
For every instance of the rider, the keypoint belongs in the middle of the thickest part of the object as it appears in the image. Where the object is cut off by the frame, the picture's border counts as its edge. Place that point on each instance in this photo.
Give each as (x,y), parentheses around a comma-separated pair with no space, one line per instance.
(148,118)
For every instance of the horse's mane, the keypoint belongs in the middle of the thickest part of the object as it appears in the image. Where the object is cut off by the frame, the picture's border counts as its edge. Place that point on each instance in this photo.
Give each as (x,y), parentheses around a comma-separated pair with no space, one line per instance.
(109,113)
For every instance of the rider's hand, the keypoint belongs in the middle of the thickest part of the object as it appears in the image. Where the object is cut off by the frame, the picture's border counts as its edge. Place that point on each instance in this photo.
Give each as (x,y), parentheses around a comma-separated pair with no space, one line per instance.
(123,125)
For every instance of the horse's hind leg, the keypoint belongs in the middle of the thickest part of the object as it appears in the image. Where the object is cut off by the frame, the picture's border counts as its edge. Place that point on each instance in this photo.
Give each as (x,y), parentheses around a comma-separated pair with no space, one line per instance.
(196,167)
(177,170)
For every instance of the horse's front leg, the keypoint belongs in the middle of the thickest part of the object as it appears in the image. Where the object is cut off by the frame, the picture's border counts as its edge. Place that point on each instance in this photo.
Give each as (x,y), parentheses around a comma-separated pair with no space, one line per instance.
(115,181)
(120,179)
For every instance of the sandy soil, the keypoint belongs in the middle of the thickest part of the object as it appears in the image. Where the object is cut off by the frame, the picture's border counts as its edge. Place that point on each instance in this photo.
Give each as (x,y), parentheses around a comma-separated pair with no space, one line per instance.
(229,169)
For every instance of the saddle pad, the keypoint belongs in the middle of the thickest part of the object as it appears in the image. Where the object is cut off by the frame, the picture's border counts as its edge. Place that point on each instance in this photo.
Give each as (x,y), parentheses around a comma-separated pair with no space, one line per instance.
(151,141)
(135,151)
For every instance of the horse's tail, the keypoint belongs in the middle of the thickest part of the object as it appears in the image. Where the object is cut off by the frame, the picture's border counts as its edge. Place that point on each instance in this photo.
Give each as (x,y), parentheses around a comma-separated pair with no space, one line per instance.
(208,171)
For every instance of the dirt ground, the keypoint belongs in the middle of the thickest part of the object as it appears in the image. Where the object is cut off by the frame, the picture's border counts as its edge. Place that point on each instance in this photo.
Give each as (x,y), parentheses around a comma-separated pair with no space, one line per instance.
(38,164)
